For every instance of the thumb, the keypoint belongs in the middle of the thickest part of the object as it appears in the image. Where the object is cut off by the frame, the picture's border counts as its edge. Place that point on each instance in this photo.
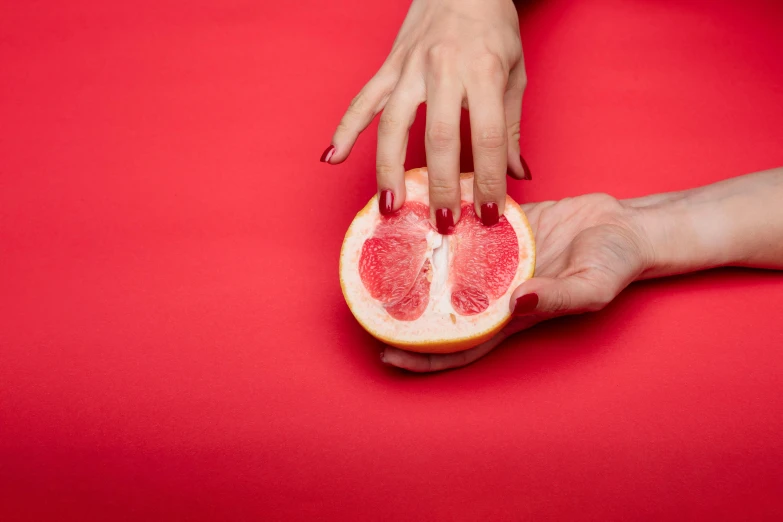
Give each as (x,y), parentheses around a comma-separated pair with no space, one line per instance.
(553,297)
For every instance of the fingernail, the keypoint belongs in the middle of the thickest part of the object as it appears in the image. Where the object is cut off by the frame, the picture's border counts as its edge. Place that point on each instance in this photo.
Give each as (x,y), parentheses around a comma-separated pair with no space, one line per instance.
(527,175)
(327,155)
(386,202)
(444,220)
(382,359)
(525,304)
(489,214)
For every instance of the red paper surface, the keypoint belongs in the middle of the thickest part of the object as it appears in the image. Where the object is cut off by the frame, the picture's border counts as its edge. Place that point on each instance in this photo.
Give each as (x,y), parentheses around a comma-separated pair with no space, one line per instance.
(174,344)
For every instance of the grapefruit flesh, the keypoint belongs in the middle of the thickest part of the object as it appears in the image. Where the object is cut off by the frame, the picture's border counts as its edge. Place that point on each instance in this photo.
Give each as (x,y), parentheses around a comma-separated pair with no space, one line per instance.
(485,262)
(393,264)
(411,287)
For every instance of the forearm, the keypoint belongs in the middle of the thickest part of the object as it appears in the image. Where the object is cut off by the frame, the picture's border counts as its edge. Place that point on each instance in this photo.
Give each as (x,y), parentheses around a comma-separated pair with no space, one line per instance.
(737,222)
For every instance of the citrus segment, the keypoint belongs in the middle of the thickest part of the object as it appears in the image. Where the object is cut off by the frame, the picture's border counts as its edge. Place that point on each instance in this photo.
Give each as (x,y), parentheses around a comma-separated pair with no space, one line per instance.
(485,260)
(393,257)
(410,307)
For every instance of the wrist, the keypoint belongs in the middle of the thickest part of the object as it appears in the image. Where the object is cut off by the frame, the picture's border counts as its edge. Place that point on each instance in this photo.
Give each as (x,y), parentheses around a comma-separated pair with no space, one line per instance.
(681,235)
(736,222)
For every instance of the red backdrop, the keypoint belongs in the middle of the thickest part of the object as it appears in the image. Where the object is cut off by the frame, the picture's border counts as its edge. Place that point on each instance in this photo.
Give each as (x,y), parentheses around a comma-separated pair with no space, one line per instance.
(173,340)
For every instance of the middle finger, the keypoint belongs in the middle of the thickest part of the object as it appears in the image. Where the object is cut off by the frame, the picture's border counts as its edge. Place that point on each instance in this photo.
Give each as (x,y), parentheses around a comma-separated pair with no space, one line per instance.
(442,142)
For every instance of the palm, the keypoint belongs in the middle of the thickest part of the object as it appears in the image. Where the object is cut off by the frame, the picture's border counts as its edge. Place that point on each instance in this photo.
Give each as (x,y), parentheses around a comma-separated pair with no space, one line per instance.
(588,240)
(587,235)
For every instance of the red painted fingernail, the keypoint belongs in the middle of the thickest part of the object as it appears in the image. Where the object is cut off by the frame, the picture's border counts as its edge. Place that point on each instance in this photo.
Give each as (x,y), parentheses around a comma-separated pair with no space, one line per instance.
(525,304)
(444,220)
(489,214)
(386,202)
(527,175)
(327,155)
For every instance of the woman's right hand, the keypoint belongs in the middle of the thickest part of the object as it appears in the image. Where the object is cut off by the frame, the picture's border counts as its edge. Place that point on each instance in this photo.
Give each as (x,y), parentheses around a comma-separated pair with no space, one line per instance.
(450,54)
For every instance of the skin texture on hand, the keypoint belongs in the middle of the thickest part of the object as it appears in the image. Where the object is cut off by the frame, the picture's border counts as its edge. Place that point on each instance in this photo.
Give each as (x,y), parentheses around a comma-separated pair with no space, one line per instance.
(589,248)
(450,54)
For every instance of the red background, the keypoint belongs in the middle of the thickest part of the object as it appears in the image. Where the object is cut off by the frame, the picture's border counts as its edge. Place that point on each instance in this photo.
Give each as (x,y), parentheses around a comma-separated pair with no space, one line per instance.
(174,343)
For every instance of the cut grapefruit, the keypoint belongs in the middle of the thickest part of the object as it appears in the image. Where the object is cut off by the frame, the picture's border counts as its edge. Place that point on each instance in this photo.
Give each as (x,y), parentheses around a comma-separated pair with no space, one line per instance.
(416,289)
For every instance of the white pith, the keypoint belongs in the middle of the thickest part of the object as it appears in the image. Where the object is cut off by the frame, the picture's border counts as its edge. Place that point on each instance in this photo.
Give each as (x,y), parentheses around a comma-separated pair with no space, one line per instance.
(440,323)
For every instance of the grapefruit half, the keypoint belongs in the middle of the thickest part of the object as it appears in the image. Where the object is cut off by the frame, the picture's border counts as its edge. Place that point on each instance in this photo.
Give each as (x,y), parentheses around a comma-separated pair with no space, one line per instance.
(418,290)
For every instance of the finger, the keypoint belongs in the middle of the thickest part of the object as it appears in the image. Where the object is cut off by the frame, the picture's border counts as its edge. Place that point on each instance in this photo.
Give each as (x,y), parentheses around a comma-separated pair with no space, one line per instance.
(517,79)
(490,142)
(363,108)
(395,122)
(423,362)
(546,297)
(442,142)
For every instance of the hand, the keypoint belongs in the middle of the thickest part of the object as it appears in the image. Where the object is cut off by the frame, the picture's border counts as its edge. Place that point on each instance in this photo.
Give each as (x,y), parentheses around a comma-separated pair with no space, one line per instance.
(449,53)
(588,249)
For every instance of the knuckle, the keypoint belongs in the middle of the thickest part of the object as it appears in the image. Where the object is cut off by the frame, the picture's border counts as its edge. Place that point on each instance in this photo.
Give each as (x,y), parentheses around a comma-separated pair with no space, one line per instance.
(385,78)
(388,124)
(491,185)
(394,60)
(358,104)
(491,137)
(487,65)
(384,170)
(441,52)
(441,136)
(441,188)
